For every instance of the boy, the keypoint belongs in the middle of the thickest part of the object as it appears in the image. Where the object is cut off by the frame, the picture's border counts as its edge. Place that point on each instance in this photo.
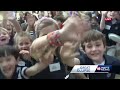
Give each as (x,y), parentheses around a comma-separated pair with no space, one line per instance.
(94,45)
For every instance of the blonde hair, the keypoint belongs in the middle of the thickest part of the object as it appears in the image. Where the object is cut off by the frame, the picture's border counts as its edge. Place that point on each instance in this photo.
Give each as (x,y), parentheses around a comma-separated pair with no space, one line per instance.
(21,34)
(3,29)
(84,15)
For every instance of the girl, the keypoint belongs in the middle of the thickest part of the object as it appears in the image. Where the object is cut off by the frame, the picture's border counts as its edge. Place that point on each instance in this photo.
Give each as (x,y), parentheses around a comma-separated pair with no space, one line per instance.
(23,42)
(10,69)
(4,37)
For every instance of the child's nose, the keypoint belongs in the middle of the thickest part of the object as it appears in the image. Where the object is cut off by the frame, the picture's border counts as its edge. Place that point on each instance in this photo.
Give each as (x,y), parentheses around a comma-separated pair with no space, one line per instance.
(93,48)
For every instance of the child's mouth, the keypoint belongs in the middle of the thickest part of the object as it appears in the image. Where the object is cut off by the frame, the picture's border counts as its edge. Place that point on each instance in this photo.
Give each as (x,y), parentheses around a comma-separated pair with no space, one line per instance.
(4,39)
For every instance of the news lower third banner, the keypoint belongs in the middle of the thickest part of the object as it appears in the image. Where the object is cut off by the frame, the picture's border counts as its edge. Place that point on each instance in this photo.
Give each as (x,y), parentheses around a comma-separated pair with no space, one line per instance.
(95,69)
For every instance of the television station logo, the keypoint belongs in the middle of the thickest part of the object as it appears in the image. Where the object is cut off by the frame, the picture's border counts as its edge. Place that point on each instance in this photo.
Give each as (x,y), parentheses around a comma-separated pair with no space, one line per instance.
(103,68)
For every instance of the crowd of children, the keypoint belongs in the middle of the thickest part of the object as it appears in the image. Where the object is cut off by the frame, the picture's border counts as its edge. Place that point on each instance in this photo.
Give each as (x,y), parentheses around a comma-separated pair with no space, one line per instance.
(48,44)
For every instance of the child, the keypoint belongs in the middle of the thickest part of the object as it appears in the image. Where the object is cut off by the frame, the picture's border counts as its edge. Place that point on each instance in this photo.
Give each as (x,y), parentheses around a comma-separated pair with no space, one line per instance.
(110,24)
(74,26)
(11,25)
(10,69)
(23,42)
(43,27)
(94,45)
(4,36)
(11,29)
(60,20)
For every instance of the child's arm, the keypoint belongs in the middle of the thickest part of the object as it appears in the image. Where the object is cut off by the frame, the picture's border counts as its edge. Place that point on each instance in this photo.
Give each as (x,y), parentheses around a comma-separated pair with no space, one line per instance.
(16,25)
(42,64)
(4,23)
(67,33)
(33,70)
(68,54)
(102,22)
(14,21)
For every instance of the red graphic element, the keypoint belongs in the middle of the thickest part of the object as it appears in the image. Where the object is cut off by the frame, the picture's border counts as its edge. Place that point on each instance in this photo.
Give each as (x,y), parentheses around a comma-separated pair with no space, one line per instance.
(108,19)
(98,68)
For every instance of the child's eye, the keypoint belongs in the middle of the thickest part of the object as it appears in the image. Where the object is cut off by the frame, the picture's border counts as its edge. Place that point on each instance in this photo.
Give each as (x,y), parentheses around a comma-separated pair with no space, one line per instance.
(4,33)
(89,46)
(21,44)
(98,45)
(26,43)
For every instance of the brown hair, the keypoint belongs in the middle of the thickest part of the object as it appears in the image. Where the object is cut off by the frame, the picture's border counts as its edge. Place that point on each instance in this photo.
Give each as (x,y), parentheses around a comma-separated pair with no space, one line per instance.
(44,23)
(93,35)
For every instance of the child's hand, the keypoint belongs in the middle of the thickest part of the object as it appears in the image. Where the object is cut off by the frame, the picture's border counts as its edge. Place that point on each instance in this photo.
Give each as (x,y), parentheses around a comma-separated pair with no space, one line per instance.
(25,54)
(75,25)
(104,13)
(48,56)
(9,15)
(68,51)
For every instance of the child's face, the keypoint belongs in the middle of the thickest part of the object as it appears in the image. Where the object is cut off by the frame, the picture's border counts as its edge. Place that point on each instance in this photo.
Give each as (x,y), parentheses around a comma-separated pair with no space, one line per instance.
(93,22)
(9,27)
(95,50)
(24,43)
(8,65)
(4,38)
(113,14)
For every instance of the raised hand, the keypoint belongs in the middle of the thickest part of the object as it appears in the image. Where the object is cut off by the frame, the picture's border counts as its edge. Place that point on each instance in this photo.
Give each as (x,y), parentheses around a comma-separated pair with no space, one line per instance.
(8,15)
(104,13)
(68,51)
(48,56)
(75,25)
(25,54)
(41,52)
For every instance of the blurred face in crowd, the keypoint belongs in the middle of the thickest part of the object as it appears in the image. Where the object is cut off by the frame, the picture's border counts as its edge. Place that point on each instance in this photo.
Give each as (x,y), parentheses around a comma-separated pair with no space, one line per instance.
(9,27)
(42,13)
(4,37)
(21,14)
(113,14)
(27,16)
(94,23)
(31,20)
(8,65)
(24,43)
(58,12)
(95,50)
